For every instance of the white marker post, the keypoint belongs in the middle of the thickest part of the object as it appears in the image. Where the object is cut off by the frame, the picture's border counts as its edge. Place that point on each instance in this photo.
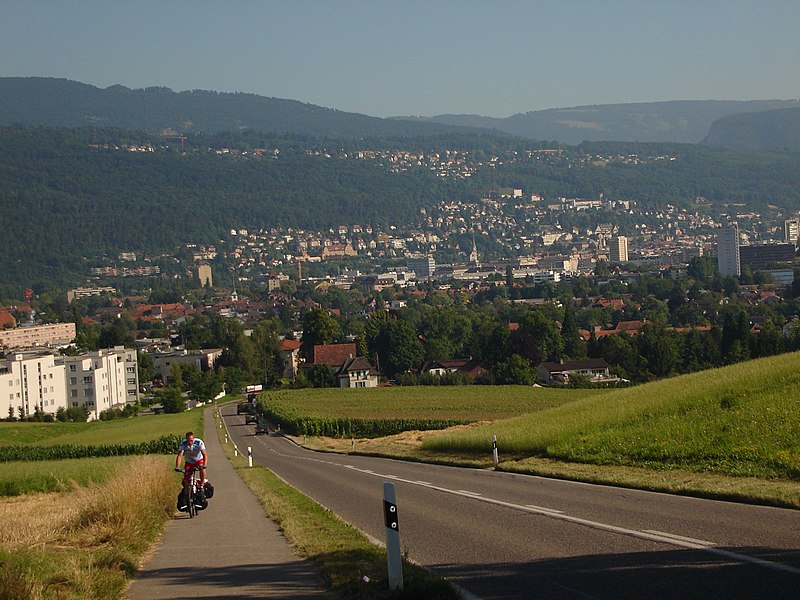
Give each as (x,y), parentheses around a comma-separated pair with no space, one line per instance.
(249,456)
(235,450)
(494,451)
(393,558)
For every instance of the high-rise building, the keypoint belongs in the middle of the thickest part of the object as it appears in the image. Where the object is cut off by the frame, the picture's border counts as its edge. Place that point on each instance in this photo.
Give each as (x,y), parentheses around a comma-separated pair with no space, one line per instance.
(204,275)
(423,267)
(728,251)
(618,249)
(791,230)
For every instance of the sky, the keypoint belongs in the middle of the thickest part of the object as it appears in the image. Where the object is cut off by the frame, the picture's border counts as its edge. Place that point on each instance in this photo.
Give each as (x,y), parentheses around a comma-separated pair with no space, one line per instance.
(411,57)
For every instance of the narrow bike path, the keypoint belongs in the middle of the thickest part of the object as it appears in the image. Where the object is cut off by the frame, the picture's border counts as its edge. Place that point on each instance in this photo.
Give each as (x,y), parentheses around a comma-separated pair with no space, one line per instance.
(229,550)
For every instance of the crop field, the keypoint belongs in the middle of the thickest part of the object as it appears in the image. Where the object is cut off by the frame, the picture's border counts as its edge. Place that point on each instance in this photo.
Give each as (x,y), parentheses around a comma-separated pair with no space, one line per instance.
(385,411)
(122,431)
(738,420)
(54,457)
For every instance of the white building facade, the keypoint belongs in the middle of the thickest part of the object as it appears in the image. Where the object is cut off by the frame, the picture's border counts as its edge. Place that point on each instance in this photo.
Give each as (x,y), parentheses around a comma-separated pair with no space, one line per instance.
(618,249)
(31,381)
(102,379)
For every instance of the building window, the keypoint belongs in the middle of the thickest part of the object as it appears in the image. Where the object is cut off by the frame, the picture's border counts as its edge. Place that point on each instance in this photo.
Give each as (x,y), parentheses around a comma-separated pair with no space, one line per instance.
(72,368)
(73,381)
(74,394)
(87,379)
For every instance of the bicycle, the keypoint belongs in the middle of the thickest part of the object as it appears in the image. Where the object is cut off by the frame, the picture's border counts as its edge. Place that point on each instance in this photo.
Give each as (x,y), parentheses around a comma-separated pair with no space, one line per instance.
(190,486)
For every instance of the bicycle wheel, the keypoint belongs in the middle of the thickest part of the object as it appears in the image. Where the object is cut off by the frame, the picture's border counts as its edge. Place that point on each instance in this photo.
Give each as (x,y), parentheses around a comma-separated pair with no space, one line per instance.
(192,507)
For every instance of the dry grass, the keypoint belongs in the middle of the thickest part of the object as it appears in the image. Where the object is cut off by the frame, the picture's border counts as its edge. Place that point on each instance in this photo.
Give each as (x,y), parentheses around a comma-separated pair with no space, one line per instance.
(85,543)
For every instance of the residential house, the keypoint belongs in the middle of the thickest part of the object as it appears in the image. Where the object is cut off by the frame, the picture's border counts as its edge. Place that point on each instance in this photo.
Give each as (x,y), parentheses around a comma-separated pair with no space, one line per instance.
(471,367)
(290,354)
(357,372)
(596,369)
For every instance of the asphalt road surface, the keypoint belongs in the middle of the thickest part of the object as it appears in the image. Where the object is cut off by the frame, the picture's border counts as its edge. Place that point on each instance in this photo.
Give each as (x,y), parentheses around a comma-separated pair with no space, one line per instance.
(501,535)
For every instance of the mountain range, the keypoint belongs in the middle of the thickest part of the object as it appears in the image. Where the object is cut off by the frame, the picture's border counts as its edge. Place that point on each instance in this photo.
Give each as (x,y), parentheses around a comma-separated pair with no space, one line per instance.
(755,124)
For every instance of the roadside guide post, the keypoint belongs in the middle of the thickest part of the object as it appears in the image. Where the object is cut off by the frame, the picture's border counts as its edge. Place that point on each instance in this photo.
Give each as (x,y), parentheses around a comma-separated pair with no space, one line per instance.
(494,451)
(393,558)
(249,456)
(235,450)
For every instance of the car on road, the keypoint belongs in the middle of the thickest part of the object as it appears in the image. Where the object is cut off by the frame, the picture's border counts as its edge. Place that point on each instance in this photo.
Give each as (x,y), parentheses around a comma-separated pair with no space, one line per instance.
(262,427)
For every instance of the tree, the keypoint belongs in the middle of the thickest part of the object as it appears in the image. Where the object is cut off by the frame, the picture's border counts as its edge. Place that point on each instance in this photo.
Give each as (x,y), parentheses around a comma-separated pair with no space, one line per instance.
(702,268)
(321,376)
(574,346)
(395,343)
(658,350)
(171,399)
(769,341)
(516,370)
(144,363)
(537,338)
(205,386)
(735,343)
(319,327)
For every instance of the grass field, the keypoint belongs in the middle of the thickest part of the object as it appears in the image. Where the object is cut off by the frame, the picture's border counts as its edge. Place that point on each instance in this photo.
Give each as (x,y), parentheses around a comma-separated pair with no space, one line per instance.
(86,543)
(742,420)
(31,476)
(122,431)
(28,477)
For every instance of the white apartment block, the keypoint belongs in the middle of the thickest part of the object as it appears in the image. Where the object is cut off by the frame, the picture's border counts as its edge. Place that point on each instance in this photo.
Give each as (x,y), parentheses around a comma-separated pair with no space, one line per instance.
(618,249)
(30,381)
(102,379)
(52,336)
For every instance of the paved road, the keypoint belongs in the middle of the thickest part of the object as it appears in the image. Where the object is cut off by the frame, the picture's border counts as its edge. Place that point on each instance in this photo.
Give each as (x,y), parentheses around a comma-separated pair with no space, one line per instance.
(230,550)
(501,535)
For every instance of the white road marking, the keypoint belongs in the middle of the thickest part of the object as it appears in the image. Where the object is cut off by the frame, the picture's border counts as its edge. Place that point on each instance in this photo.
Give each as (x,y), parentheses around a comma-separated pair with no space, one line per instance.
(545,509)
(680,537)
(650,535)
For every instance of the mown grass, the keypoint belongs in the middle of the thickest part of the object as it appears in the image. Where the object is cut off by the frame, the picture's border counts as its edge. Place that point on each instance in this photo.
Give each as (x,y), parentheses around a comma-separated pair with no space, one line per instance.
(741,420)
(352,567)
(86,543)
(123,431)
(25,477)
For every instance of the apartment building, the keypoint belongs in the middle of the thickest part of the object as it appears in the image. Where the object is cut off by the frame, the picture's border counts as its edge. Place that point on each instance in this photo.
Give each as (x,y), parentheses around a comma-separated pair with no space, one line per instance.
(728,251)
(101,379)
(55,335)
(31,381)
(618,249)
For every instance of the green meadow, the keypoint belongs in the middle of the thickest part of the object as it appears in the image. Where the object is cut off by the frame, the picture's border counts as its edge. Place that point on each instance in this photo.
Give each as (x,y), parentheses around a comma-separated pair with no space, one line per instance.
(122,431)
(742,420)
(34,476)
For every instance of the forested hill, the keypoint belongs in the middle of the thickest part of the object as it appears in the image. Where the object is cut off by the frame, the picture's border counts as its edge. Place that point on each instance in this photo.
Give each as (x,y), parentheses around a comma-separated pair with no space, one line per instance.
(69,196)
(767,130)
(64,103)
(683,121)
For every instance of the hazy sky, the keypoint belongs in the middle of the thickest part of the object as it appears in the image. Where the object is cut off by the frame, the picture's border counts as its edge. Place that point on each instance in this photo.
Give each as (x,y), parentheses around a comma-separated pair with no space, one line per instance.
(411,57)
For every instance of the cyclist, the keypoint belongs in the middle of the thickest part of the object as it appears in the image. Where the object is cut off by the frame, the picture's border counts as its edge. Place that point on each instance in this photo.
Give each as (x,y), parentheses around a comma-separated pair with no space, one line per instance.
(193,451)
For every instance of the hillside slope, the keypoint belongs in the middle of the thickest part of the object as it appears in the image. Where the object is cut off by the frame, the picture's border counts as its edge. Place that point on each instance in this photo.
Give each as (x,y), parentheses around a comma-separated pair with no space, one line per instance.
(684,121)
(64,103)
(737,420)
(767,130)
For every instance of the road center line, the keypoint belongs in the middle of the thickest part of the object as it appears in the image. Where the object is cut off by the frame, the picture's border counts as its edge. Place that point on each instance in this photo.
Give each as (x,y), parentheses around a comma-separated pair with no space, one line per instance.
(670,539)
(650,535)
(680,537)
